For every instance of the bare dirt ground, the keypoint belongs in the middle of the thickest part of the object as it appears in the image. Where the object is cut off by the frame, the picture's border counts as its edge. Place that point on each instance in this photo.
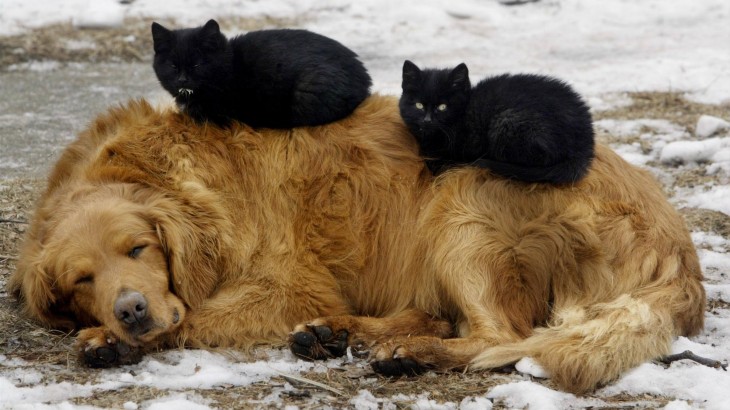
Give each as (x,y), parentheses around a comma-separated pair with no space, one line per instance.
(53,351)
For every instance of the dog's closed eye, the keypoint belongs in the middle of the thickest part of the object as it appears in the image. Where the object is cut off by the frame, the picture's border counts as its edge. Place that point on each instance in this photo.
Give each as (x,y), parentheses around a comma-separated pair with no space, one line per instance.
(85,279)
(136,251)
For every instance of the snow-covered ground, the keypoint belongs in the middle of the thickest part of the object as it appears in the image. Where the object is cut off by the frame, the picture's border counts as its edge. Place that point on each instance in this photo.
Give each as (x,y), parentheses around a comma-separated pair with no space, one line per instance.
(602,47)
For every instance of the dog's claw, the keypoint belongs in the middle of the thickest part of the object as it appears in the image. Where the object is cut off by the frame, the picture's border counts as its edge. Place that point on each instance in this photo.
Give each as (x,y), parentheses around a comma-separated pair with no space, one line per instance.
(109,355)
(318,343)
(360,349)
(304,338)
(398,366)
(323,332)
(399,363)
(102,355)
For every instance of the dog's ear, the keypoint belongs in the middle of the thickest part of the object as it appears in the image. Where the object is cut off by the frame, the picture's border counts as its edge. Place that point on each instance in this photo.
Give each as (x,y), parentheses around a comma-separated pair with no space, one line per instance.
(32,284)
(193,234)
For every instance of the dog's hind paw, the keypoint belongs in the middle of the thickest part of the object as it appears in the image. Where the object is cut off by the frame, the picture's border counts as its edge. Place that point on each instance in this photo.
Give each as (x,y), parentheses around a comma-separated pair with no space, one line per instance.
(312,342)
(99,348)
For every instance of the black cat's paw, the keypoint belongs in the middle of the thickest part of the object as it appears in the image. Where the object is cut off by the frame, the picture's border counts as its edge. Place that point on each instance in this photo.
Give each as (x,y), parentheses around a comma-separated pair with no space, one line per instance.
(312,342)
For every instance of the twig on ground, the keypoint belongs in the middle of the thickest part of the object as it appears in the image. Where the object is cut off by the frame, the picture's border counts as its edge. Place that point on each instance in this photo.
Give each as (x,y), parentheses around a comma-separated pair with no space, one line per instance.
(298,379)
(12,221)
(687,354)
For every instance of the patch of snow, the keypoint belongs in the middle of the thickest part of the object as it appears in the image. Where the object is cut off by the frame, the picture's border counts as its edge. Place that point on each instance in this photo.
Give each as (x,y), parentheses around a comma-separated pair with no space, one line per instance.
(717,198)
(632,153)
(98,14)
(130,405)
(705,239)
(525,394)
(476,403)
(685,381)
(365,401)
(678,405)
(662,129)
(179,401)
(38,66)
(708,125)
(709,150)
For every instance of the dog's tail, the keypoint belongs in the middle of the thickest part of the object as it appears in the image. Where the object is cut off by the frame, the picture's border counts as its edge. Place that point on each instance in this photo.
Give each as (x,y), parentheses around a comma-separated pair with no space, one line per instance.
(590,346)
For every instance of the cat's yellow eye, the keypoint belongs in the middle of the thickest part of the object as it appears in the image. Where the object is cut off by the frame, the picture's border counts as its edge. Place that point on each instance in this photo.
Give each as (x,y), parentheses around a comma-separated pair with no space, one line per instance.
(442,107)
(419,106)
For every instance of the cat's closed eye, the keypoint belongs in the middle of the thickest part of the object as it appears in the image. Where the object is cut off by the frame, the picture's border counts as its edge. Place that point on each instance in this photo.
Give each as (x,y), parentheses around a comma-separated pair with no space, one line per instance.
(419,106)
(442,107)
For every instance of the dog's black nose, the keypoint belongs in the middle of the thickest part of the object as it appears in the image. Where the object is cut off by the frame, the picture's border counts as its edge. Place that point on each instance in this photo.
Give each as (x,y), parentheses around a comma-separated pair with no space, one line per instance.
(130,307)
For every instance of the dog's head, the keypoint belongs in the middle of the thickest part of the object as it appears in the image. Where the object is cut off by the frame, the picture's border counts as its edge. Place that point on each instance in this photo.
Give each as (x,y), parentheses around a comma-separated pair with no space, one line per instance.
(123,256)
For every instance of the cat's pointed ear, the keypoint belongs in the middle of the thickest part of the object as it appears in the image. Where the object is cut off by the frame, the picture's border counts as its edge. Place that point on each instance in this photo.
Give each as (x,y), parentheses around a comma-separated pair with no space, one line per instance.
(460,77)
(411,75)
(211,38)
(211,28)
(161,37)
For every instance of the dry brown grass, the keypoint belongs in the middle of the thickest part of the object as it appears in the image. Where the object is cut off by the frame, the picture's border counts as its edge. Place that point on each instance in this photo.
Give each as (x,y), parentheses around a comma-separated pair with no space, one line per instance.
(131,42)
(670,106)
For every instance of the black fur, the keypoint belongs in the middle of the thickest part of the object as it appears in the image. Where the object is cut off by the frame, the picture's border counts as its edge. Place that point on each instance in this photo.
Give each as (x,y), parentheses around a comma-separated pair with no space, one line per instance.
(268,78)
(527,127)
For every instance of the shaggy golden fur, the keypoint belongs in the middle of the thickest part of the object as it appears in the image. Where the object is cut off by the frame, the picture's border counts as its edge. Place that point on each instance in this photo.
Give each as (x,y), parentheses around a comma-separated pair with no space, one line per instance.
(231,237)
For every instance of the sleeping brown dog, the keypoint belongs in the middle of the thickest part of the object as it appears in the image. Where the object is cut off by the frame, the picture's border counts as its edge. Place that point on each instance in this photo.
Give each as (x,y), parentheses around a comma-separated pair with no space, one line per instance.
(155,231)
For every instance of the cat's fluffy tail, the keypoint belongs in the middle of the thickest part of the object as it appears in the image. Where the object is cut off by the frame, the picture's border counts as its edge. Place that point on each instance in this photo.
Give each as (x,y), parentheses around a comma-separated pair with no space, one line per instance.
(593,345)
(566,172)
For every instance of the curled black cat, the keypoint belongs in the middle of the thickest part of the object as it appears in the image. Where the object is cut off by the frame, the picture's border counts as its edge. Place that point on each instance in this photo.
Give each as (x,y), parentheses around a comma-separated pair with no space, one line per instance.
(526,127)
(279,78)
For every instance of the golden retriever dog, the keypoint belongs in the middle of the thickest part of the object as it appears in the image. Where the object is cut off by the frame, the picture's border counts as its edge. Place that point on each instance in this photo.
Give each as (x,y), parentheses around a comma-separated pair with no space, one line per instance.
(155,231)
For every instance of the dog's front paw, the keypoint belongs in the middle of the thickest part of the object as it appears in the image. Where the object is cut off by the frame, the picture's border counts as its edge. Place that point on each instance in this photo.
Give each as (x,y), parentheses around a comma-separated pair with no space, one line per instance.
(98,348)
(317,342)
(394,359)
